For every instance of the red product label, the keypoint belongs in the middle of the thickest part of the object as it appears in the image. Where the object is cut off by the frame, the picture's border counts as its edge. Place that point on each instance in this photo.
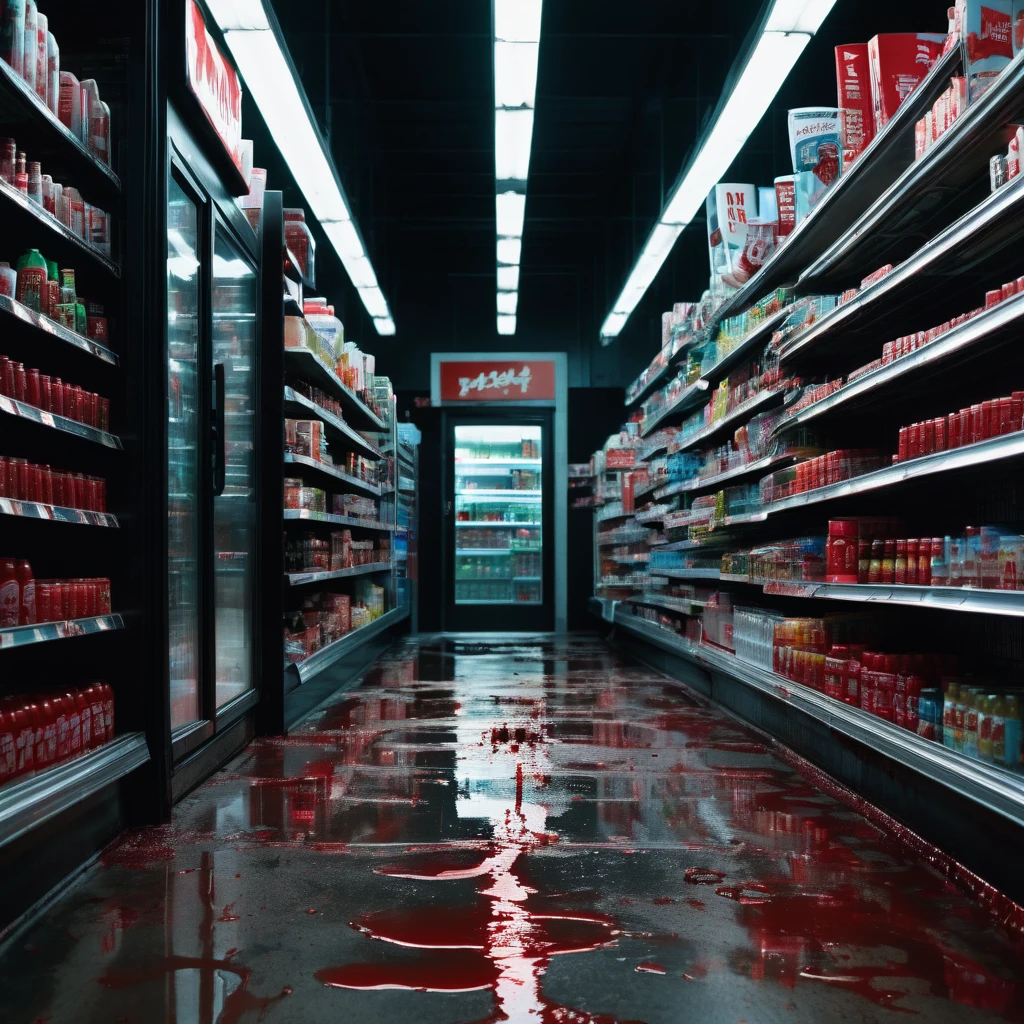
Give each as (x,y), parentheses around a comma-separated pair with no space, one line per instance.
(785,197)
(853,82)
(898,62)
(994,39)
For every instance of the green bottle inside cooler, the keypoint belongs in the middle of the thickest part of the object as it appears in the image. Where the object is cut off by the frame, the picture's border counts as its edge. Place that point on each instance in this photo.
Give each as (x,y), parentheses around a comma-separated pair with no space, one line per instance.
(31,279)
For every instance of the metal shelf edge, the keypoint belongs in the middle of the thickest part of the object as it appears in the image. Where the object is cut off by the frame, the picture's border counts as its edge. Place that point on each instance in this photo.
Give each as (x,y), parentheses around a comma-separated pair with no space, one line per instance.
(323,659)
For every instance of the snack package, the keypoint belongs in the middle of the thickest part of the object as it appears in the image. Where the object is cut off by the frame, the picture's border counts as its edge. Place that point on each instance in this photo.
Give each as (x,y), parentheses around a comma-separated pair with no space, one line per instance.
(853,82)
(898,61)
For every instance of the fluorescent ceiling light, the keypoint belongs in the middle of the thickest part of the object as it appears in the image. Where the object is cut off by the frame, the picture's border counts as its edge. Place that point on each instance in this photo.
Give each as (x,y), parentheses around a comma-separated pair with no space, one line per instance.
(517,20)
(509,251)
(507,302)
(506,324)
(384,325)
(508,279)
(790,26)
(511,211)
(515,74)
(513,139)
(373,300)
(260,54)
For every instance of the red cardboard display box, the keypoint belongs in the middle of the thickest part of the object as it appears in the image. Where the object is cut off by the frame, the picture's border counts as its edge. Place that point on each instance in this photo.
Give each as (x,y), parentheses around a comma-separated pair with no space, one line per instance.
(898,62)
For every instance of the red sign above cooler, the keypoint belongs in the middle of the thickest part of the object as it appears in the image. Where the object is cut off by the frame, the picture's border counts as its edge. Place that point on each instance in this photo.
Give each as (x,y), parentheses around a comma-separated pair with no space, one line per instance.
(520,380)
(214,83)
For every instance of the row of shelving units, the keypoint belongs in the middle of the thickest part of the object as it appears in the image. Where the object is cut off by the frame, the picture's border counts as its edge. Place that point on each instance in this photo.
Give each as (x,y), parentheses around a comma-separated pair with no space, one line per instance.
(348,474)
(828,435)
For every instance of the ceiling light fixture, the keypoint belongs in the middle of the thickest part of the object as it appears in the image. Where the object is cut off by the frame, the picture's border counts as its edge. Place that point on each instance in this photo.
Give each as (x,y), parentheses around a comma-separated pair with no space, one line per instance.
(516,53)
(787,30)
(259,50)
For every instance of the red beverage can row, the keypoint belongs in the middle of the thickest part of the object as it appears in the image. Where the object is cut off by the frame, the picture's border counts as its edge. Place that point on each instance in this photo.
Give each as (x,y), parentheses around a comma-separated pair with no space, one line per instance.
(38,732)
(62,600)
(26,481)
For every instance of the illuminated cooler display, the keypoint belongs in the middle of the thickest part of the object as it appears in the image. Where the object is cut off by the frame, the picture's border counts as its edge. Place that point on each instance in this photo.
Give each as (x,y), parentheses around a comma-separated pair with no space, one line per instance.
(498,508)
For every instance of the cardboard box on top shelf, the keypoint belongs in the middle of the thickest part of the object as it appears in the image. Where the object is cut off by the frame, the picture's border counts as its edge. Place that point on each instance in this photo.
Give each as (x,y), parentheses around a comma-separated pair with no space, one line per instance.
(899,62)
(856,117)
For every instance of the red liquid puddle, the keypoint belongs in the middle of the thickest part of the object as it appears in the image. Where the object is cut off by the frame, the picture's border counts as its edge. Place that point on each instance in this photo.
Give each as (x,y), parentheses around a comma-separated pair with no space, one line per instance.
(649,968)
(138,850)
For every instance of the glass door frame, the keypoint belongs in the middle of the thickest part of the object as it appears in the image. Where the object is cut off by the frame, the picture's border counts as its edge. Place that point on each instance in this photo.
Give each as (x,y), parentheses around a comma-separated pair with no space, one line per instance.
(510,617)
(186,739)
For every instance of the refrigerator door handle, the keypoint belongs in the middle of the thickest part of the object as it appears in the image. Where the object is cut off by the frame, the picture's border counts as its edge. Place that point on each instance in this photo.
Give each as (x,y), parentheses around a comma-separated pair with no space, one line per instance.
(219,436)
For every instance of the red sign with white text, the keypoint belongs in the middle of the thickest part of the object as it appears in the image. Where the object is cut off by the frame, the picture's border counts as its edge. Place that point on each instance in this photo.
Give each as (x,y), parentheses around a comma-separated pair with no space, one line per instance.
(214,83)
(519,380)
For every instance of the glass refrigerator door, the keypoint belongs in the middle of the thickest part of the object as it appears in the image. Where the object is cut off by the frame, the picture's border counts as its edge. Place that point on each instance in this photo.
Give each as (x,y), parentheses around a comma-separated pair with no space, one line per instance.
(183,455)
(234,504)
(498,510)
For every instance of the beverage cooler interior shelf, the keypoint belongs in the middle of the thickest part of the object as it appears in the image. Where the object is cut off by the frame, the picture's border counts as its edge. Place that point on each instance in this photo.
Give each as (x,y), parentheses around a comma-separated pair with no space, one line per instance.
(499,525)
(992,787)
(36,799)
(42,632)
(300,407)
(44,325)
(508,494)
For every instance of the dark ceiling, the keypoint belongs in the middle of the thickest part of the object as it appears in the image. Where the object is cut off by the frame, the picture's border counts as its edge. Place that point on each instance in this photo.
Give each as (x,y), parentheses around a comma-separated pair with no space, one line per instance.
(404,91)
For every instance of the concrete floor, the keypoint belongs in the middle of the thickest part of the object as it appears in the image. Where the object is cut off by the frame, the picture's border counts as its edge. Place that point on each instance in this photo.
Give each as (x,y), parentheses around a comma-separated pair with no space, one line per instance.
(511,832)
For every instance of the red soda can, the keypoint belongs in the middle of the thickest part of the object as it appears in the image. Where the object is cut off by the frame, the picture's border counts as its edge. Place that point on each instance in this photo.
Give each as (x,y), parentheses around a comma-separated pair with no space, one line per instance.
(74,725)
(84,707)
(94,694)
(8,755)
(63,722)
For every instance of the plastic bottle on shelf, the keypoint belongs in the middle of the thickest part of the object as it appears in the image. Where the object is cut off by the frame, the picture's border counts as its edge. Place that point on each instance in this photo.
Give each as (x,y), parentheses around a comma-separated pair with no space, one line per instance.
(27,597)
(8,757)
(52,73)
(8,155)
(29,43)
(39,51)
(40,749)
(10,594)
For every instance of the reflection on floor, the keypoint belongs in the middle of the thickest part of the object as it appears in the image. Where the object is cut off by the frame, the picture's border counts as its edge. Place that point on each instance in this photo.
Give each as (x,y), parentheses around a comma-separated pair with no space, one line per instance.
(530,831)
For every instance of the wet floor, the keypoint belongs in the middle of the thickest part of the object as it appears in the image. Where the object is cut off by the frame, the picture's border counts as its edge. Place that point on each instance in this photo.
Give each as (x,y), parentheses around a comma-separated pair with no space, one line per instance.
(524,832)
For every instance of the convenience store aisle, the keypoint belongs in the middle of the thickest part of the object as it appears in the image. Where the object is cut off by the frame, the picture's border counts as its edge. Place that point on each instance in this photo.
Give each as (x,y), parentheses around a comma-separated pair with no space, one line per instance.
(534,831)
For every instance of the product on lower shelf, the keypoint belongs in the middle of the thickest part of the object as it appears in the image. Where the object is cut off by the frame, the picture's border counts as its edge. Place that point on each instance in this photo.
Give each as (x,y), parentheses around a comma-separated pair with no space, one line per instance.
(38,732)
(310,553)
(325,618)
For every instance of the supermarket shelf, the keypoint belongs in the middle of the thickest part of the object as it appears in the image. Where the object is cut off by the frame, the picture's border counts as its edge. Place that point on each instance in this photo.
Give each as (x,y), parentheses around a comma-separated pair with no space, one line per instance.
(957,160)
(312,666)
(994,788)
(687,574)
(689,398)
(20,103)
(45,325)
(333,472)
(507,493)
(295,272)
(43,632)
(508,526)
(1001,322)
(473,601)
(299,579)
(299,406)
(979,236)
(494,551)
(842,205)
(681,344)
(670,604)
(769,462)
(612,511)
(61,423)
(759,335)
(742,412)
(406,486)
(308,365)
(651,485)
(734,577)
(58,231)
(992,450)
(527,579)
(951,599)
(40,797)
(56,513)
(306,515)
(510,462)
(631,537)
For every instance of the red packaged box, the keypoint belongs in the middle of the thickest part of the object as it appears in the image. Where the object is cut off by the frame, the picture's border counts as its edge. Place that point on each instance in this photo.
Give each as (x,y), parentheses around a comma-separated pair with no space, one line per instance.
(856,116)
(897,62)
(785,200)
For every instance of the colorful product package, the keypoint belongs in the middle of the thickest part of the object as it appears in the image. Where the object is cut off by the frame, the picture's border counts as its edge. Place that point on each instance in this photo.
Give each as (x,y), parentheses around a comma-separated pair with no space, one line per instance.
(853,81)
(785,200)
(1017,14)
(814,138)
(898,61)
(730,209)
(987,28)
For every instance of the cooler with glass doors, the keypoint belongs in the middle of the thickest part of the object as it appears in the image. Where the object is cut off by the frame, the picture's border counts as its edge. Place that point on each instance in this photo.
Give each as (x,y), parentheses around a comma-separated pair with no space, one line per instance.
(499,536)
(212,394)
